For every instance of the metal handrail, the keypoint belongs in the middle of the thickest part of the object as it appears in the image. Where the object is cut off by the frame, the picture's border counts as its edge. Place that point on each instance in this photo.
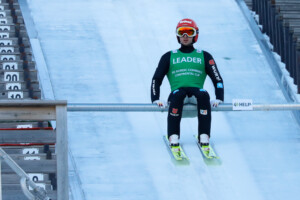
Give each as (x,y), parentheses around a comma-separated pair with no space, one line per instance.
(38,192)
(23,183)
(143,107)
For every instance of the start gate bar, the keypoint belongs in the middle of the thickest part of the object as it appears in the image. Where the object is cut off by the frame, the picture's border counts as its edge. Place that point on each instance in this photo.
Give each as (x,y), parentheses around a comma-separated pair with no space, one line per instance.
(144,107)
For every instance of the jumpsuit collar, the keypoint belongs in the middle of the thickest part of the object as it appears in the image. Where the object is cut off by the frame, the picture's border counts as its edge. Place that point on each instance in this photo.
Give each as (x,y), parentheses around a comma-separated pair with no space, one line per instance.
(187,49)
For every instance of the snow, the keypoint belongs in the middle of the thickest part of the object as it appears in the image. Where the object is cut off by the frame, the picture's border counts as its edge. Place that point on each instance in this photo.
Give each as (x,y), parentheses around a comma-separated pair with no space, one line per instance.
(107,52)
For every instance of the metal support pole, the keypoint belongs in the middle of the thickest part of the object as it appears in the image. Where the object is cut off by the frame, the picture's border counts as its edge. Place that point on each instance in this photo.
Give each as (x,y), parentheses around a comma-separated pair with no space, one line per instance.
(142,107)
(62,152)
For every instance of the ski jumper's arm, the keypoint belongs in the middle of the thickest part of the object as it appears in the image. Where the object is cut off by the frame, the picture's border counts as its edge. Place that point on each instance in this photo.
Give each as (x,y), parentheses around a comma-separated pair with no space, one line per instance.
(161,71)
(212,71)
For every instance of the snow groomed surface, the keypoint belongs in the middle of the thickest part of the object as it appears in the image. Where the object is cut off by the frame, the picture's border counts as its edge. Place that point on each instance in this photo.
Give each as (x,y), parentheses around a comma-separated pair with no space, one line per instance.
(107,51)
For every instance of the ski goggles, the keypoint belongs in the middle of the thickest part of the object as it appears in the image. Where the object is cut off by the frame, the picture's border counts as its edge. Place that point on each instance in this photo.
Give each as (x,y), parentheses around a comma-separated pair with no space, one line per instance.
(189,31)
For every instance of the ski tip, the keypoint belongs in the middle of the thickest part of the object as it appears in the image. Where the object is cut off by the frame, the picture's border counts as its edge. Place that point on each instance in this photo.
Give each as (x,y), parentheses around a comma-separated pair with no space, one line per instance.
(213,162)
(184,162)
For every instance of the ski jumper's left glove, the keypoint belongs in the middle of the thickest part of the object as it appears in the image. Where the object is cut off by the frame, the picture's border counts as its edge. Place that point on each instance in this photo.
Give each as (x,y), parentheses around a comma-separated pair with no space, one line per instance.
(215,103)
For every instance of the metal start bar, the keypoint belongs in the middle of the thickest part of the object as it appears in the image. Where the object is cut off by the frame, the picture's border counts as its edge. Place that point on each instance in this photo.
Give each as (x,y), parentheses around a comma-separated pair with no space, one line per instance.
(143,107)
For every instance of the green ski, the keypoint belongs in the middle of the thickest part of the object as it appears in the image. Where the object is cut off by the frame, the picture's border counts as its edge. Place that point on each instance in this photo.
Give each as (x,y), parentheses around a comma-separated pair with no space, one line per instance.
(208,153)
(176,152)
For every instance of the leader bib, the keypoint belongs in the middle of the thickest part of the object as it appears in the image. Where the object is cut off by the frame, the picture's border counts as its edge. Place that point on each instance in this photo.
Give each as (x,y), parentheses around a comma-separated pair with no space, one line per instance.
(186,69)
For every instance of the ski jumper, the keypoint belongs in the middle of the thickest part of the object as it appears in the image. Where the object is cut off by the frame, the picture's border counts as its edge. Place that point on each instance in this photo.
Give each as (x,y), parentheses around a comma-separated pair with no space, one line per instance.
(187,69)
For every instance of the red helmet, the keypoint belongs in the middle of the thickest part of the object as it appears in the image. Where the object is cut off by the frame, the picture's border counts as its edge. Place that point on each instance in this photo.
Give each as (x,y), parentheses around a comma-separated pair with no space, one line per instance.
(188,23)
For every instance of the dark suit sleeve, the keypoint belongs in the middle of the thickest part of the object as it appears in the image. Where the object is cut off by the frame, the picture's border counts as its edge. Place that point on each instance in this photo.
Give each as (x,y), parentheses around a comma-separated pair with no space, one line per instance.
(213,72)
(160,72)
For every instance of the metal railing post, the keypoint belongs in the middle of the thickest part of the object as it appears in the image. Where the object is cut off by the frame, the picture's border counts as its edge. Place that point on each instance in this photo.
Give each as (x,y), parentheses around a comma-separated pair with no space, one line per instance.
(0,178)
(62,149)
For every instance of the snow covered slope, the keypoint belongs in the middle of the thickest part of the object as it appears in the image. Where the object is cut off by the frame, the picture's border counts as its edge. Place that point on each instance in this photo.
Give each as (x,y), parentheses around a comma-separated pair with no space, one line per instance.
(107,51)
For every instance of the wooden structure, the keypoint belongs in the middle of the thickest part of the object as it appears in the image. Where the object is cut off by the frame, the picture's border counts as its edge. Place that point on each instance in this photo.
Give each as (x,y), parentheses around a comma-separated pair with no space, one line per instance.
(36,163)
(18,76)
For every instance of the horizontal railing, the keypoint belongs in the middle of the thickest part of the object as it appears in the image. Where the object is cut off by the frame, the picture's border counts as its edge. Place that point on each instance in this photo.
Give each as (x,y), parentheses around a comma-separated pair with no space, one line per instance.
(189,110)
(143,107)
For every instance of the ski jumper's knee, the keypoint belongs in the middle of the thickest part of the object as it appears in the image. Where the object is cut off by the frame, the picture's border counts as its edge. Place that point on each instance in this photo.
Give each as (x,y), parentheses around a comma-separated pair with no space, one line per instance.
(203,98)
